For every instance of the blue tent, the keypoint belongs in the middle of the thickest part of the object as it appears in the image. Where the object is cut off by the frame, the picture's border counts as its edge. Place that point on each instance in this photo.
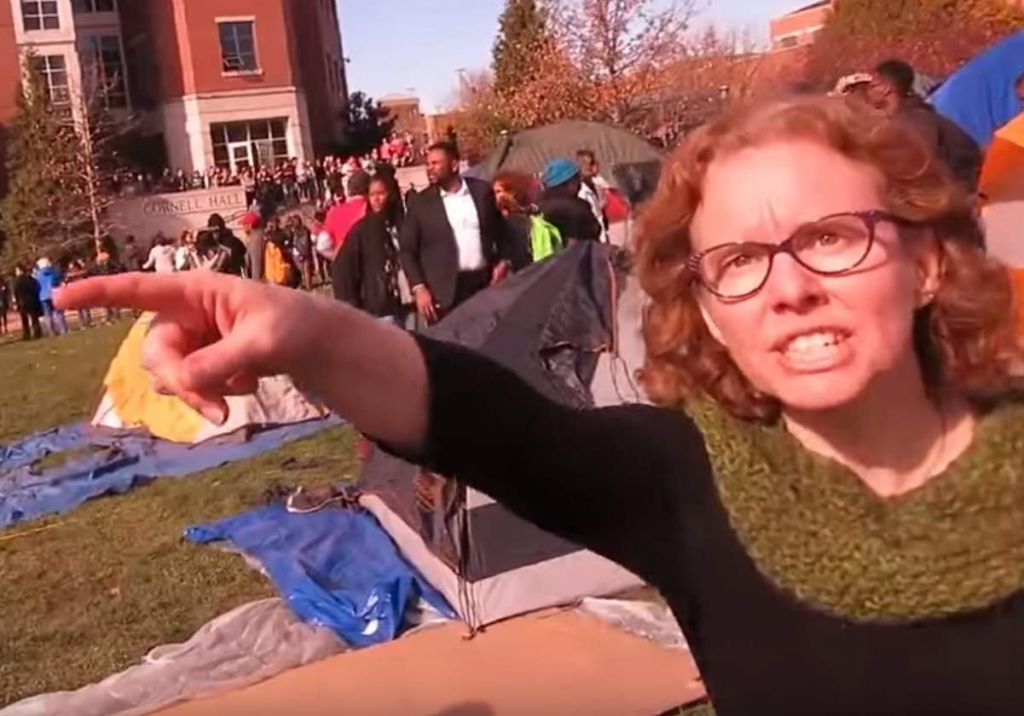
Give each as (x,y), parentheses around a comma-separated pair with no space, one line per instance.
(980,96)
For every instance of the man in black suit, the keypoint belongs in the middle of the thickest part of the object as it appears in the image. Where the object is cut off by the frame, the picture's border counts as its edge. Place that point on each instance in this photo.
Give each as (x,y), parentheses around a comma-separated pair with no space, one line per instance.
(453,241)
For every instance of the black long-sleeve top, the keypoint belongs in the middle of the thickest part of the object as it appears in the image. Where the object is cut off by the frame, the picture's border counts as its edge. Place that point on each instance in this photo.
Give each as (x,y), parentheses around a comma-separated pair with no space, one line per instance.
(636,484)
(365,272)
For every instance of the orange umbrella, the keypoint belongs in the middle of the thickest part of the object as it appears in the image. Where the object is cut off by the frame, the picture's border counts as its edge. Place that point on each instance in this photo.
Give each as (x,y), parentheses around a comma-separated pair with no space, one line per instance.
(1002,189)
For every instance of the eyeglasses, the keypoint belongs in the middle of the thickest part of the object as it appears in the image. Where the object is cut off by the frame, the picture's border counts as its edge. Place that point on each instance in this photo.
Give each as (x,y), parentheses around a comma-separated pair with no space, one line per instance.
(831,246)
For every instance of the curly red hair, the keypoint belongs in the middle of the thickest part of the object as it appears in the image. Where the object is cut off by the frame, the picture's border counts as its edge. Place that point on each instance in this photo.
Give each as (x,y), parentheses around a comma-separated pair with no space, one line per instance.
(966,339)
(519,185)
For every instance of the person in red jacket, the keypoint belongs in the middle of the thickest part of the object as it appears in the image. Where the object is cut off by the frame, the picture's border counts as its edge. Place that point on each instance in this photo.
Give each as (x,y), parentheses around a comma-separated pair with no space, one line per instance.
(343,216)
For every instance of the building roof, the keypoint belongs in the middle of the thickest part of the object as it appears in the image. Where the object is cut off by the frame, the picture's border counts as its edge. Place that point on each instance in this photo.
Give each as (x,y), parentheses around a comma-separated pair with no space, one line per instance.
(812,6)
(399,98)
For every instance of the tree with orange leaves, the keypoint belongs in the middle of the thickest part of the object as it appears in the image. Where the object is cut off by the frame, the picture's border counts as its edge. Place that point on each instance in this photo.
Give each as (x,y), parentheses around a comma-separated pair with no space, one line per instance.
(936,36)
(621,48)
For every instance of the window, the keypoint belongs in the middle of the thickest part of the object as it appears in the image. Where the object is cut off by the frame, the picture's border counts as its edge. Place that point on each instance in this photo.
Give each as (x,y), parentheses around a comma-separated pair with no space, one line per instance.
(83,6)
(54,74)
(790,41)
(40,15)
(238,46)
(257,142)
(103,60)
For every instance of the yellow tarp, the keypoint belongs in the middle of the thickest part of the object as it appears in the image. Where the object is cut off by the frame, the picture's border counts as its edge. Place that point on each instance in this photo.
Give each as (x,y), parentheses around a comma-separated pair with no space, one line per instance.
(135,401)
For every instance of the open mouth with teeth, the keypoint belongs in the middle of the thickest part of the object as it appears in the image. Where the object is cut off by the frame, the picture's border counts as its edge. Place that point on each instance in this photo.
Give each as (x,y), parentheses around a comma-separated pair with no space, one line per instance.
(818,349)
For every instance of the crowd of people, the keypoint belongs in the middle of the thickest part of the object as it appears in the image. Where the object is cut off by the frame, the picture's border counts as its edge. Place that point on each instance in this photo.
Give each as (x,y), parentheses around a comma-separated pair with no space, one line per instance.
(286,182)
(383,251)
(391,254)
(411,262)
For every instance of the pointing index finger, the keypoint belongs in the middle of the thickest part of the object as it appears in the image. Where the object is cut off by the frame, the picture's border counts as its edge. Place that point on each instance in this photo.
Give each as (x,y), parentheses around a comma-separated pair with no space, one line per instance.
(145,292)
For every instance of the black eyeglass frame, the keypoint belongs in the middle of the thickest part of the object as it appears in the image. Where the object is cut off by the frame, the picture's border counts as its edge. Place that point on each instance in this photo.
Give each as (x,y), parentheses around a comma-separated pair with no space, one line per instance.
(871,220)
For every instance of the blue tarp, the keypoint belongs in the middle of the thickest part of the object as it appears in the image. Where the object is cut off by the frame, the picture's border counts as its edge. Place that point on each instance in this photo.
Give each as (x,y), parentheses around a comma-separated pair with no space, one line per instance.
(980,96)
(116,462)
(337,568)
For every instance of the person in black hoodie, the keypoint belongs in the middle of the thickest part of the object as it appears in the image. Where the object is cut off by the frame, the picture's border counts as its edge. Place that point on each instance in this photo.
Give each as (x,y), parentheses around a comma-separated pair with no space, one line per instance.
(562,206)
(26,294)
(366,271)
(235,264)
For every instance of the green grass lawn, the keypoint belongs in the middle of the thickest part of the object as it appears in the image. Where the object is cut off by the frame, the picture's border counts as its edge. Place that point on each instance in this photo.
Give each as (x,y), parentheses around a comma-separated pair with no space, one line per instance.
(54,381)
(88,594)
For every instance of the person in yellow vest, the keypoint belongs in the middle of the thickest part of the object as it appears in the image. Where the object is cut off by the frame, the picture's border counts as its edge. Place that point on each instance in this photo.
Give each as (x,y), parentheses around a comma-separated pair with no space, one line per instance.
(278,265)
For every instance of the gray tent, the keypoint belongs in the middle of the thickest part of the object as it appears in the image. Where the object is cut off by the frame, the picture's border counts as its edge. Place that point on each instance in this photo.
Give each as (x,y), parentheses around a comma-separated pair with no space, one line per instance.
(530,151)
(570,327)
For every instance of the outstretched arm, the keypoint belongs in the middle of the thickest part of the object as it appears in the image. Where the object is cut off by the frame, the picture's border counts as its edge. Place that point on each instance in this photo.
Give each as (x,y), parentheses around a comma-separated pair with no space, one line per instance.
(215,335)
(602,478)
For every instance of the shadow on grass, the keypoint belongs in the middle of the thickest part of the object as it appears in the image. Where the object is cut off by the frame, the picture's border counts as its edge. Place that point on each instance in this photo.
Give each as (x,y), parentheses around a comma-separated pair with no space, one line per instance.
(100,587)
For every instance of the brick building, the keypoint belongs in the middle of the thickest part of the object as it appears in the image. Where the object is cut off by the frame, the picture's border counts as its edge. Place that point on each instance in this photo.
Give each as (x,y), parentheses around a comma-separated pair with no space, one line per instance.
(224,82)
(798,28)
(405,108)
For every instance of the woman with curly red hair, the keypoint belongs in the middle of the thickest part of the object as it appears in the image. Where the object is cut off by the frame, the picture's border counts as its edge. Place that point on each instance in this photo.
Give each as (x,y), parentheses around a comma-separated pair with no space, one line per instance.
(830,495)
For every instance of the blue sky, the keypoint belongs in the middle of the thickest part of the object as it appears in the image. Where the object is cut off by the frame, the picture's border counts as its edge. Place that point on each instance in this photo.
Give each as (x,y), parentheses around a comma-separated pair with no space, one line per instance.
(417,46)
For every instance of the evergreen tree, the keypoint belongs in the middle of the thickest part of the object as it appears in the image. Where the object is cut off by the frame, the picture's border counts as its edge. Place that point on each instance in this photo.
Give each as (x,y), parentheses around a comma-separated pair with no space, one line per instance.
(61,160)
(368,124)
(40,152)
(522,35)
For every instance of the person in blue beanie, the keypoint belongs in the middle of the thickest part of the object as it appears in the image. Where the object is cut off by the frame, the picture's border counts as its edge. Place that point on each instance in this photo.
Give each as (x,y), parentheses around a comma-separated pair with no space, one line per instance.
(561,204)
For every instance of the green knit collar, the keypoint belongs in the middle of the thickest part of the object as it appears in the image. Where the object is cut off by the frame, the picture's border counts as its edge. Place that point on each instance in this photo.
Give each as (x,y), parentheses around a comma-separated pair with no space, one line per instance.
(816,531)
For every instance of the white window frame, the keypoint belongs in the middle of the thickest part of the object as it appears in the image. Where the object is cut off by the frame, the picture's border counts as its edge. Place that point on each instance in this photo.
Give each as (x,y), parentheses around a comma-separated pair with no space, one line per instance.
(220,139)
(250,20)
(46,71)
(92,55)
(39,15)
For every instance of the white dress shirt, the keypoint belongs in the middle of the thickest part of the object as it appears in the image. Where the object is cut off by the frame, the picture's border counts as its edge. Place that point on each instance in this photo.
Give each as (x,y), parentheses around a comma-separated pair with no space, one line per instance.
(465,223)
(597,204)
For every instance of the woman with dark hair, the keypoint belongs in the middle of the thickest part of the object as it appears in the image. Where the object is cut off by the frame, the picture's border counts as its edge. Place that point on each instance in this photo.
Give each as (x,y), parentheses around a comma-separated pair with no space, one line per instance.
(395,206)
(367,273)
(829,496)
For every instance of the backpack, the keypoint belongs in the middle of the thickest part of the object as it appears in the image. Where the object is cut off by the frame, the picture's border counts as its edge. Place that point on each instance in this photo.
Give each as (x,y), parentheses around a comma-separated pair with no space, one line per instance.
(545,238)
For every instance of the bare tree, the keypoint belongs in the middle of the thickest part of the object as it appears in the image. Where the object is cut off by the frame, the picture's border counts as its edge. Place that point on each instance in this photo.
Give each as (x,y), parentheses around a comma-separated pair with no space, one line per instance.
(475,114)
(716,69)
(623,46)
(98,128)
